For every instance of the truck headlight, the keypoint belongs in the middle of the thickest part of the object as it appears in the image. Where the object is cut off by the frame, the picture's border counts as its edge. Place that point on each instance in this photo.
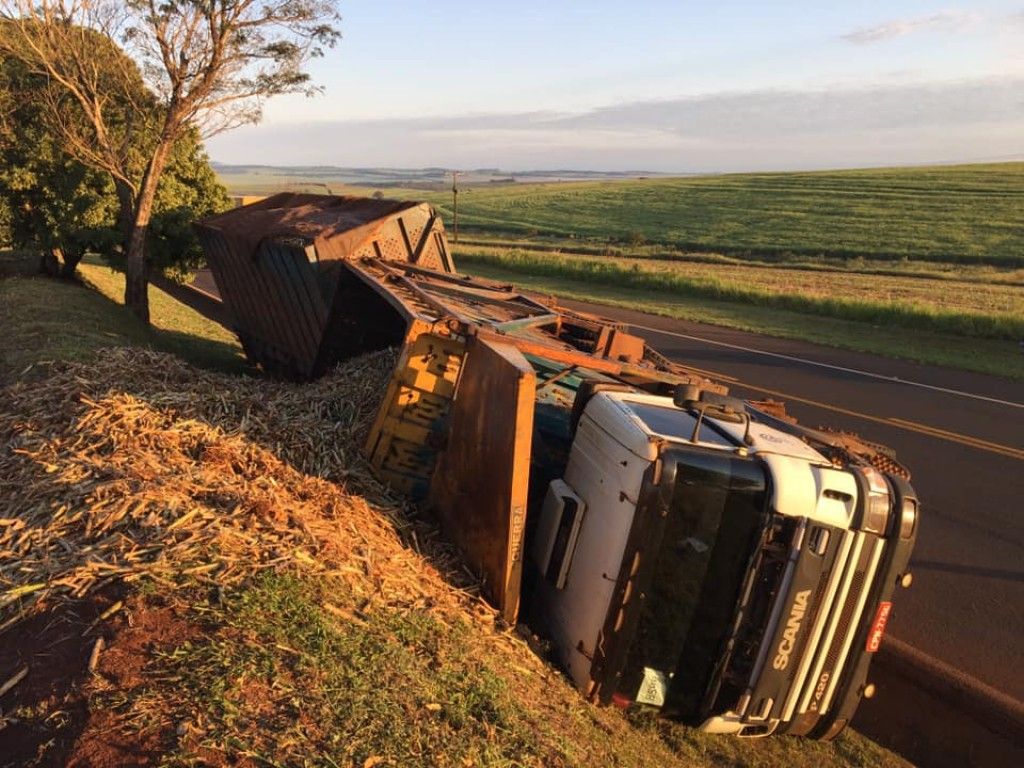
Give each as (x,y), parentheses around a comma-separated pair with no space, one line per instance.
(876,503)
(908,518)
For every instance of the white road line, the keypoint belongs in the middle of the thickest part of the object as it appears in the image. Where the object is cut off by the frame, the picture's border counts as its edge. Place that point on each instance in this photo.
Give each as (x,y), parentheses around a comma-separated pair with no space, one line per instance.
(866,374)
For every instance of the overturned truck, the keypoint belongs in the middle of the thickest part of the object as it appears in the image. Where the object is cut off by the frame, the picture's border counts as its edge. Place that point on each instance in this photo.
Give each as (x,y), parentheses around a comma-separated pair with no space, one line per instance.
(681,548)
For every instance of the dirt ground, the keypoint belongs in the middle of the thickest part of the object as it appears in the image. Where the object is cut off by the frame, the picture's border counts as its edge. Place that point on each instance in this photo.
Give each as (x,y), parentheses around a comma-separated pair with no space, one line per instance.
(47,717)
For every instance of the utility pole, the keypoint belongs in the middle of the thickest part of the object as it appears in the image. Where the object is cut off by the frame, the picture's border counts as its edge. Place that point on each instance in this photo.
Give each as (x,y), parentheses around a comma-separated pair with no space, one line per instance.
(455,204)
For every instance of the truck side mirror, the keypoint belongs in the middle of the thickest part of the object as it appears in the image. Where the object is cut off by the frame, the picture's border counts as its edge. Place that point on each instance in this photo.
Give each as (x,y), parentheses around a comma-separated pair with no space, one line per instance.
(692,397)
(557,532)
(685,395)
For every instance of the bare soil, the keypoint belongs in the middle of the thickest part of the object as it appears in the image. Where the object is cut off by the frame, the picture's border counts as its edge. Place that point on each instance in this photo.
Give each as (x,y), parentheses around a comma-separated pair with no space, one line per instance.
(53,717)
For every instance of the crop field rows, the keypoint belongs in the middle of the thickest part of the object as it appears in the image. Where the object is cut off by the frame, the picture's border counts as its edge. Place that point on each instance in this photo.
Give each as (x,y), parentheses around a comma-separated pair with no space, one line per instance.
(972,214)
(902,268)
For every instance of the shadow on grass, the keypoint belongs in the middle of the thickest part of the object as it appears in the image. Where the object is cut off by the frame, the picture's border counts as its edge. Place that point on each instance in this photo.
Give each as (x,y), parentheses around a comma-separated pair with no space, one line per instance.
(204,353)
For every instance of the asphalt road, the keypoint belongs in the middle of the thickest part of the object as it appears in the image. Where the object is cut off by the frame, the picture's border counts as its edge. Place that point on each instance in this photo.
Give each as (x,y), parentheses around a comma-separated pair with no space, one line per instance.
(961,435)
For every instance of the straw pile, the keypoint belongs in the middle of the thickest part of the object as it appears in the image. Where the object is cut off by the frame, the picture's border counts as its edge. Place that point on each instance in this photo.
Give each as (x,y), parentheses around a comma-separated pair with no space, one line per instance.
(138,464)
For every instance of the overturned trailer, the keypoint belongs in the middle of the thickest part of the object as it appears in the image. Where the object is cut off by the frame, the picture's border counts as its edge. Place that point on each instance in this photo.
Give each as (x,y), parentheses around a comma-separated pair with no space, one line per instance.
(279,267)
(682,548)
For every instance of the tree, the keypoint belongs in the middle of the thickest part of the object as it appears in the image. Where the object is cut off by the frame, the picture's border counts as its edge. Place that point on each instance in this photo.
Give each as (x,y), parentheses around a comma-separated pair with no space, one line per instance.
(189,189)
(54,204)
(209,66)
(62,207)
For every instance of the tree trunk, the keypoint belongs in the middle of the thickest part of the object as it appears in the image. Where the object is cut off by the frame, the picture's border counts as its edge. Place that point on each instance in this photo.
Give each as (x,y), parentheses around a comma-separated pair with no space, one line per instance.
(136,283)
(50,261)
(125,212)
(71,258)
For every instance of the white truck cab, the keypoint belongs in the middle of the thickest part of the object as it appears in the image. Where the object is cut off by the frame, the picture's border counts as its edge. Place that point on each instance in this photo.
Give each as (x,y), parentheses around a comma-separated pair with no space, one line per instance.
(701,557)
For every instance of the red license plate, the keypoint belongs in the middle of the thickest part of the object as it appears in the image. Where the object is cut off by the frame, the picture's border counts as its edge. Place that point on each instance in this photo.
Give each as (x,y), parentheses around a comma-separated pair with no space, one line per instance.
(878,627)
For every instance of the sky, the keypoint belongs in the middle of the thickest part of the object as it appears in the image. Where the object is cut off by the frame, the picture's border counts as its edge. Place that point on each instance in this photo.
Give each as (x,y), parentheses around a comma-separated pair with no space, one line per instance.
(672,87)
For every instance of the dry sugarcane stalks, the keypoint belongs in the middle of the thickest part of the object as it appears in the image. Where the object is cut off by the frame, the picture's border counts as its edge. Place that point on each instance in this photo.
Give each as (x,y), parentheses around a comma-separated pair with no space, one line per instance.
(139,465)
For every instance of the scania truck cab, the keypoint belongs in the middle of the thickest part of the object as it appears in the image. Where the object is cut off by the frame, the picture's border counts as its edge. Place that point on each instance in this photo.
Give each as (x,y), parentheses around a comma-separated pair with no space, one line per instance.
(704,557)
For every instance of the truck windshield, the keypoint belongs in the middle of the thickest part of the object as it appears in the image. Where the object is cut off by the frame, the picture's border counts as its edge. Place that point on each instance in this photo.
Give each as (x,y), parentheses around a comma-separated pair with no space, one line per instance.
(716,515)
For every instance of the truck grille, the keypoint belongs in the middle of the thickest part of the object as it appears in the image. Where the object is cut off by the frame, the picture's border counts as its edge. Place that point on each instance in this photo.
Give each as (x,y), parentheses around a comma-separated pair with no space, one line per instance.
(765,583)
(830,640)
(845,619)
(838,595)
(836,584)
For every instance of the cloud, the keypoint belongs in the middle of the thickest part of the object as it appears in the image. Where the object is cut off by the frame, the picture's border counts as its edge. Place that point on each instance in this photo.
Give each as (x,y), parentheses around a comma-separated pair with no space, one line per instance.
(944,21)
(960,121)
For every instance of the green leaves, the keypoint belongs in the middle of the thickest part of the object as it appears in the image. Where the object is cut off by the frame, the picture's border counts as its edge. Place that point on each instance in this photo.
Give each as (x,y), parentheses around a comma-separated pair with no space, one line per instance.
(188,66)
(53,200)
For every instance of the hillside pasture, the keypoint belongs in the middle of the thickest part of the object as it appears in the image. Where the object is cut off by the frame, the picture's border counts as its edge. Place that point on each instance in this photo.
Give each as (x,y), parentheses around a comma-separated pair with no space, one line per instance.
(969,214)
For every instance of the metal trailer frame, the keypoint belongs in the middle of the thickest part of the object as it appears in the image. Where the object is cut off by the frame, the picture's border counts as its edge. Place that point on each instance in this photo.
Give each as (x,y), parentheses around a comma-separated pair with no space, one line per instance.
(311,280)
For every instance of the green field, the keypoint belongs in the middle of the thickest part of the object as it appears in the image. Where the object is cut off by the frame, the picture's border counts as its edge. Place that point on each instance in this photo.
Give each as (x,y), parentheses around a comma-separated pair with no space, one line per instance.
(972,213)
(961,214)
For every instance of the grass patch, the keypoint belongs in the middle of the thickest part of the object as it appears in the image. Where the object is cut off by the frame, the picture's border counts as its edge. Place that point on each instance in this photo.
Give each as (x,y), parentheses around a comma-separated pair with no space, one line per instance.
(288,682)
(175,327)
(287,671)
(694,747)
(55,320)
(1001,358)
(47,319)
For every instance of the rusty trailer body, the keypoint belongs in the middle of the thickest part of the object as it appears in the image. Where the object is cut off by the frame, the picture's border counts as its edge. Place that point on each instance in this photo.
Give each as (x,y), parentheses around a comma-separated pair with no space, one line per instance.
(314,279)
(310,280)
(483,370)
(277,264)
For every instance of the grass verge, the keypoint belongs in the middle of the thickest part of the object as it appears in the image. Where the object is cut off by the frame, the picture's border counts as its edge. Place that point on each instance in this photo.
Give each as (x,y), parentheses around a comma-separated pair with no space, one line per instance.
(55,320)
(827,300)
(176,328)
(991,356)
(47,319)
(289,681)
